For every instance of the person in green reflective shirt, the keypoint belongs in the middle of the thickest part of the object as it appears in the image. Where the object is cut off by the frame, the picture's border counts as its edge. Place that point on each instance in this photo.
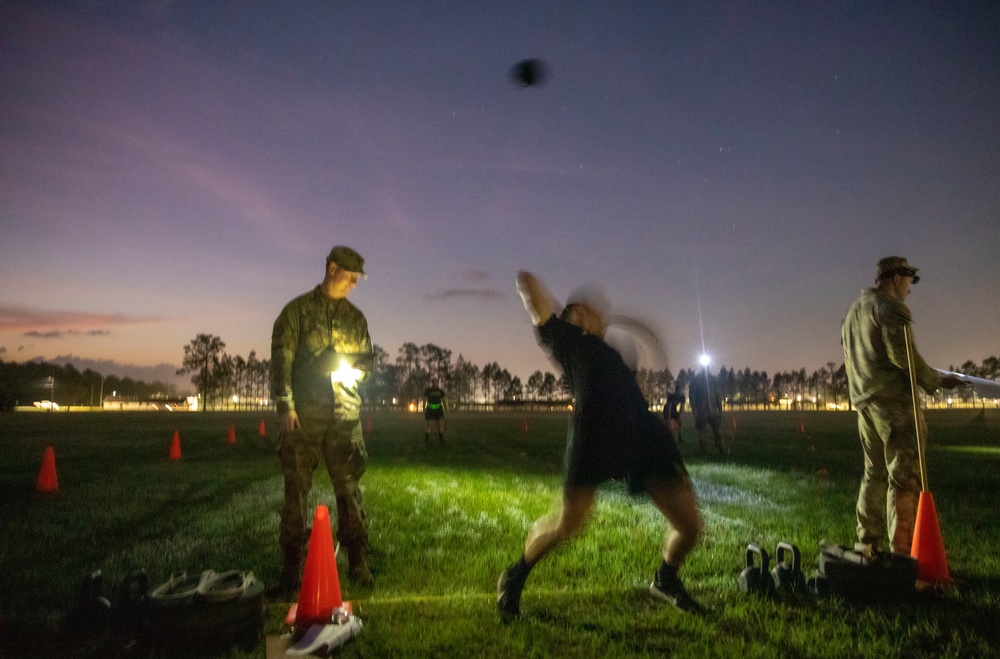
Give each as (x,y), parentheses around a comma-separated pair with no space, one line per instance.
(878,377)
(320,350)
(434,412)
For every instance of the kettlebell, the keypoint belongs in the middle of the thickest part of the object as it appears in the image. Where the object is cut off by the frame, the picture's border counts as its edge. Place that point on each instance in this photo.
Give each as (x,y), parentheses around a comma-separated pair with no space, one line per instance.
(756,580)
(787,573)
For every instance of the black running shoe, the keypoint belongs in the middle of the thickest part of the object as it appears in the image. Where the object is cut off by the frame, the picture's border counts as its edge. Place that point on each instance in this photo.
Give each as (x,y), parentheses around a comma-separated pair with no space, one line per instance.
(509,594)
(672,591)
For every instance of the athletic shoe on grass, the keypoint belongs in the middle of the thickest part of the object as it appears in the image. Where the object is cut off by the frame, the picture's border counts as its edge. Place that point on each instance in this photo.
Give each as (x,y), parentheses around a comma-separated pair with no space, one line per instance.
(672,591)
(509,594)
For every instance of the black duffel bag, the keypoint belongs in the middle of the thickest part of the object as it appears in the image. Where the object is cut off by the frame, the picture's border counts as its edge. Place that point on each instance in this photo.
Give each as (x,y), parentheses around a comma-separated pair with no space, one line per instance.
(854,576)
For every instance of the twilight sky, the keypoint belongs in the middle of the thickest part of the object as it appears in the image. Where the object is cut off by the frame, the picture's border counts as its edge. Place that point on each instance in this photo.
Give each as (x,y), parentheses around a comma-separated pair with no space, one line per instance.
(728,171)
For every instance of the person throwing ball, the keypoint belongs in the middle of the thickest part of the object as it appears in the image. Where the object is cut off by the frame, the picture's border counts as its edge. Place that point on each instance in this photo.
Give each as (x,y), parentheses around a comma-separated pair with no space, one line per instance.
(613,436)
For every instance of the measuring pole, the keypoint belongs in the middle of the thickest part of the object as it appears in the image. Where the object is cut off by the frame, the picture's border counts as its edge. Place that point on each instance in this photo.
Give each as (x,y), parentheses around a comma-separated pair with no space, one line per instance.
(919,430)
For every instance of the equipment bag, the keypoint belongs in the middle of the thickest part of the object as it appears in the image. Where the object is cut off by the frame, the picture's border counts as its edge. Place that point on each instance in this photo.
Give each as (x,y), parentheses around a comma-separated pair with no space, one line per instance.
(883,578)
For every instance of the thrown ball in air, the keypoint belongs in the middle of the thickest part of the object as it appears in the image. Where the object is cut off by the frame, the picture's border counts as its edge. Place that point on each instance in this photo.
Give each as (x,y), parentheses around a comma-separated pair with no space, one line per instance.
(529,73)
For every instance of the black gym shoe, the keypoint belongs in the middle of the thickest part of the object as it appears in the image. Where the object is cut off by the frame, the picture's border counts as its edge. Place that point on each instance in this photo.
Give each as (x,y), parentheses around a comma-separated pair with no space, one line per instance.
(509,594)
(672,591)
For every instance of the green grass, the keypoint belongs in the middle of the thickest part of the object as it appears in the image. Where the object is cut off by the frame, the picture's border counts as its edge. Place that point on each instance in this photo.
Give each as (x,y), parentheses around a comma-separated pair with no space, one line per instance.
(444,521)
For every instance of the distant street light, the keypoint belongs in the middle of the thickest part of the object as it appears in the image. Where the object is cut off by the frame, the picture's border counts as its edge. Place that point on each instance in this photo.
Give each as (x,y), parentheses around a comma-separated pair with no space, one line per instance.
(704,360)
(101,397)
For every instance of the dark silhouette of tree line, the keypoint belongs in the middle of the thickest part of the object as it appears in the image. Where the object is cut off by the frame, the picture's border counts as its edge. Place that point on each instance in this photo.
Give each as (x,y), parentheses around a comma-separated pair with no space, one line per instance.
(26,382)
(224,381)
(229,382)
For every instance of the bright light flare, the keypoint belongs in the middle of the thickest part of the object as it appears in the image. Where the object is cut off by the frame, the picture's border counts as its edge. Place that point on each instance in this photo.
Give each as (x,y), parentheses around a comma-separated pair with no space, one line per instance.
(346,375)
(704,360)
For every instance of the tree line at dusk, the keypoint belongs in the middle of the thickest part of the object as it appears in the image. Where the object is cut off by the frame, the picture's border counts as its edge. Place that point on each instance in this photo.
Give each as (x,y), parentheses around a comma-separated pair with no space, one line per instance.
(231,382)
(23,383)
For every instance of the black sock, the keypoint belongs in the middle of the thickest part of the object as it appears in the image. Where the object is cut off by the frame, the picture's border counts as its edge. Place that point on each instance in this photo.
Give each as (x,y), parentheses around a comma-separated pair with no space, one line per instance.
(666,573)
(520,569)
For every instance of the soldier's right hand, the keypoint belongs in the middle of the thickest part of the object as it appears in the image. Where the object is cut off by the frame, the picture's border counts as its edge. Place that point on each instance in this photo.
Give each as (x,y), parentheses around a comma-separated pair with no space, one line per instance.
(290,421)
(348,402)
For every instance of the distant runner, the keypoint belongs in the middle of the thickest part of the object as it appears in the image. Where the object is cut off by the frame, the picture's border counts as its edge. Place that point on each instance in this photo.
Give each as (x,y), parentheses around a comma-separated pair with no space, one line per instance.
(434,412)
(672,413)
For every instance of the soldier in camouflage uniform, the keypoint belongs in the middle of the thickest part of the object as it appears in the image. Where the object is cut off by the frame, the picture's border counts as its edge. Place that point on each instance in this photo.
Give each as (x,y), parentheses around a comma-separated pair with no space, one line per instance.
(879,382)
(316,334)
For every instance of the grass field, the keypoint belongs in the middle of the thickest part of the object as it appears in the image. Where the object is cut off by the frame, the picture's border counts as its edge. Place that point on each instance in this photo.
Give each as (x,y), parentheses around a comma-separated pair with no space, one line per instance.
(444,521)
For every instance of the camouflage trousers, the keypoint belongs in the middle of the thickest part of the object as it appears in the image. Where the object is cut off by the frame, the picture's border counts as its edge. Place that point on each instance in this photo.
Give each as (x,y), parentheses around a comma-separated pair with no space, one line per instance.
(341,447)
(890,487)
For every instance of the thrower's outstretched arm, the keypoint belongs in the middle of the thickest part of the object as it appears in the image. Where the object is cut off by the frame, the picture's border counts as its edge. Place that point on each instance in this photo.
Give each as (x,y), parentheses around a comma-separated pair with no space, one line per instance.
(537,301)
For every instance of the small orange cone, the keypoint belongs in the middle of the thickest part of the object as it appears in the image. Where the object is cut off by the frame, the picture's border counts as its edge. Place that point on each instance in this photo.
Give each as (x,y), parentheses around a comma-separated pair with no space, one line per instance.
(231,436)
(320,592)
(175,447)
(47,480)
(734,424)
(524,425)
(928,545)
(802,427)
(263,429)
(369,426)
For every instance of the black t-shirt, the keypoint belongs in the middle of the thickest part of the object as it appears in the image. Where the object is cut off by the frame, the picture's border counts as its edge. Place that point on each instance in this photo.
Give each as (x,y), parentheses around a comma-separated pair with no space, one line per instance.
(613,434)
(433,397)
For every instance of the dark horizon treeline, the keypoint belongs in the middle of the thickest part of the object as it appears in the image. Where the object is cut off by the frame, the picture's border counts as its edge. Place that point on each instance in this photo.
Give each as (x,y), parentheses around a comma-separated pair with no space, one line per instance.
(235,382)
(26,382)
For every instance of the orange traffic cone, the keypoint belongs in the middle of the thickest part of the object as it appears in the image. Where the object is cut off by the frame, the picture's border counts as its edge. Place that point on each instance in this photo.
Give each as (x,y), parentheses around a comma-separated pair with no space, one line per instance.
(48,482)
(320,592)
(263,429)
(802,427)
(734,424)
(524,425)
(369,426)
(928,545)
(175,447)
(231,436)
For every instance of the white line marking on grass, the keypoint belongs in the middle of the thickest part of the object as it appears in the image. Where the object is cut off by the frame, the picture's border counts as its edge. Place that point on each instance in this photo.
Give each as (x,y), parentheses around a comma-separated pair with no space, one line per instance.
(457,597)
(969,449)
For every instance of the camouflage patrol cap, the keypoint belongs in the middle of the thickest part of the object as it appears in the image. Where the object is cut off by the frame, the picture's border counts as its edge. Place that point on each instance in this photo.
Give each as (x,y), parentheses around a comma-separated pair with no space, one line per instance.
(346,258)
(895,265)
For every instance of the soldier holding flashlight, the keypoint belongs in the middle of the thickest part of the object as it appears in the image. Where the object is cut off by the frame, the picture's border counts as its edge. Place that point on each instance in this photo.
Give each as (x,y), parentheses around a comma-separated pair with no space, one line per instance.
(320,349)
